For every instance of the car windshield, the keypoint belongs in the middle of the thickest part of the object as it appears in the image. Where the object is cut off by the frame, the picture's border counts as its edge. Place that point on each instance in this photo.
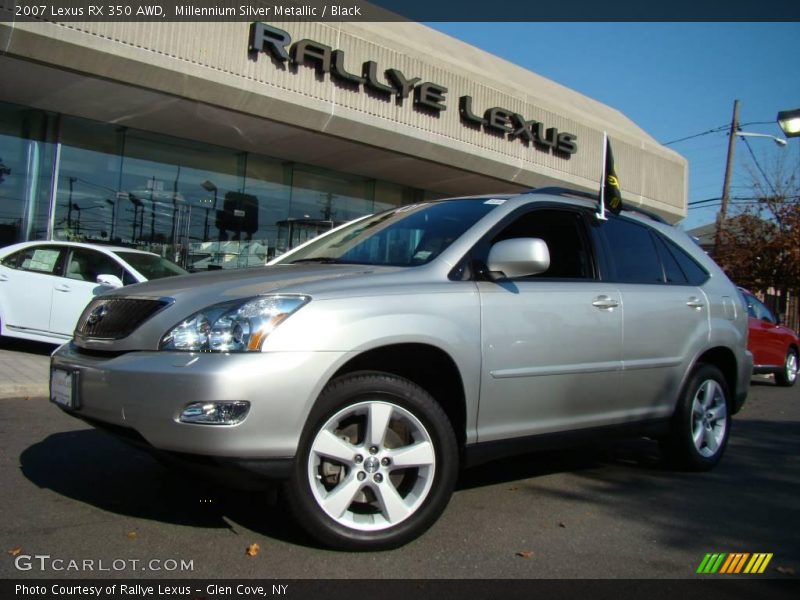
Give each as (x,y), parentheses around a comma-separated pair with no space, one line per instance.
(407,236)
(151,265)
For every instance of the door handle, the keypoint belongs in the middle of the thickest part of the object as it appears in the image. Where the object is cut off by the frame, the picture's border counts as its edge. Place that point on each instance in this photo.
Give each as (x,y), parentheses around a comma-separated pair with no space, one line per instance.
(62,288)
(605,303)
(3,277)
(695,302)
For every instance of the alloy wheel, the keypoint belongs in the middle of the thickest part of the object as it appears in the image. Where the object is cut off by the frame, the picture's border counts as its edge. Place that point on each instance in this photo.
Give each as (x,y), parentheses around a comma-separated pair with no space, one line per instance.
(371,465)
(709,418)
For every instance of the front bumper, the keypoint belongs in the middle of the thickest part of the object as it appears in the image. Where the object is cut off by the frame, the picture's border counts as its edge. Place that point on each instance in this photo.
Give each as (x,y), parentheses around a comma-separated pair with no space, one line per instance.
(143,394)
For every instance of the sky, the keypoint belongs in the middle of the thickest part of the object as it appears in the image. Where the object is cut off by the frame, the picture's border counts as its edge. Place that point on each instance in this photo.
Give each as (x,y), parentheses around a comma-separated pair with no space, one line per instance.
(674,80)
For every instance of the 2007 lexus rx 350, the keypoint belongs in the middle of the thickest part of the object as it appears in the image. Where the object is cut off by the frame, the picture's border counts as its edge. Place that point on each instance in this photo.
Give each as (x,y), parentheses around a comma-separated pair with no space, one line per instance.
(368,366)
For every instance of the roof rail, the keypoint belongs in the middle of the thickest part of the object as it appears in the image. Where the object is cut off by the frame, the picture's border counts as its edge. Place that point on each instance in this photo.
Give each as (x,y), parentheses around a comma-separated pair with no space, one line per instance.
(562,191)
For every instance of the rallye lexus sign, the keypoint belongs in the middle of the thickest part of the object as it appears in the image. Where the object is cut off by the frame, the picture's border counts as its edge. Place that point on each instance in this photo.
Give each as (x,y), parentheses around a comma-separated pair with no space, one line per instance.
(427,96)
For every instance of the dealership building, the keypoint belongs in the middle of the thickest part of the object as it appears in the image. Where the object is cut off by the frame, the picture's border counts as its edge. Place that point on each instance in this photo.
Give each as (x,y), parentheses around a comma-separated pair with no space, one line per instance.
(223,143)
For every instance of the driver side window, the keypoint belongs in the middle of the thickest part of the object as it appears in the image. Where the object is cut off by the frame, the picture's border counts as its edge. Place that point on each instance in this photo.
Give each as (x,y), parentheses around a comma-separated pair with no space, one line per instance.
(563,232)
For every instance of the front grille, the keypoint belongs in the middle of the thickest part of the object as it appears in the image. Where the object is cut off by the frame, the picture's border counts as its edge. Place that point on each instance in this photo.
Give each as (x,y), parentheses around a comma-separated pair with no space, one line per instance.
(116,318)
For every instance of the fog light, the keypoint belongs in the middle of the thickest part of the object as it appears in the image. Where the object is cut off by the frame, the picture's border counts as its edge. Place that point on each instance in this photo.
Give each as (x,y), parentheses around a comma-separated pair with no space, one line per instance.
(215,413)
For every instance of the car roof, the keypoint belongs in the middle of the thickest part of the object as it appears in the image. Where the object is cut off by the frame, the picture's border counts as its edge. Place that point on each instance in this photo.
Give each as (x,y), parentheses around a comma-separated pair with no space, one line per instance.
(66,243)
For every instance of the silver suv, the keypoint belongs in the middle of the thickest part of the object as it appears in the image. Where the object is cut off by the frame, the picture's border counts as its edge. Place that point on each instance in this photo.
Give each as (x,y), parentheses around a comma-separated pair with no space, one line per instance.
(368,366)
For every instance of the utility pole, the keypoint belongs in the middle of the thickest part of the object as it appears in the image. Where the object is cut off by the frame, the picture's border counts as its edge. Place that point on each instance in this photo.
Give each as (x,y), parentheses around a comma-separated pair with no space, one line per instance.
(726,185)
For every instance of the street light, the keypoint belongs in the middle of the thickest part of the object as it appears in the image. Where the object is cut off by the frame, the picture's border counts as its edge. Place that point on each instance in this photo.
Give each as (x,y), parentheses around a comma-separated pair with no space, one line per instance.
(789,120)
(726,185)
(777,140)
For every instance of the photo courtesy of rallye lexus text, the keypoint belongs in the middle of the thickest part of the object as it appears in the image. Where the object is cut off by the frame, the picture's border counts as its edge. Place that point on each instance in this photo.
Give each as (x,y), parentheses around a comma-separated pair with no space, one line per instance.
(366,367)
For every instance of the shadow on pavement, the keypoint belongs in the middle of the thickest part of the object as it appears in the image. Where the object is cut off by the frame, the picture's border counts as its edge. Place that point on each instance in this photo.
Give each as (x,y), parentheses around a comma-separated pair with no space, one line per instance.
(27,346)
(748,503)
(92,467)
(734,507)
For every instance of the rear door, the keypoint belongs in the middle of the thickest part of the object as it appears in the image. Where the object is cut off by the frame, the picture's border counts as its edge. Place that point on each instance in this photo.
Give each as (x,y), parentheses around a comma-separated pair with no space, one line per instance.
(665,314)
(27,278)
(551,343)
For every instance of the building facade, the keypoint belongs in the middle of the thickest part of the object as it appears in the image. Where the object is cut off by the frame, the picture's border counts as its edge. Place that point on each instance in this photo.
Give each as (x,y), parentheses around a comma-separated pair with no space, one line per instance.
(221,144)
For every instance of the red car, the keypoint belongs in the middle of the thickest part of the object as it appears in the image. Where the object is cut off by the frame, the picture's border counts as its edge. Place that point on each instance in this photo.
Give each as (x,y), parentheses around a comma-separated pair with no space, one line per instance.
(774,347)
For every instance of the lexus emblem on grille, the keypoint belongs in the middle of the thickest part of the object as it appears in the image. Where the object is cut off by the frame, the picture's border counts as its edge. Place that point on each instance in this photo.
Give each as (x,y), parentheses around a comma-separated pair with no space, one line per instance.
(97,315)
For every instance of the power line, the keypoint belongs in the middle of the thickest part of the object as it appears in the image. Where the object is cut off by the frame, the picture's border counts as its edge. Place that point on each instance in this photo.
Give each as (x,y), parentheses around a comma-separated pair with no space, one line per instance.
(725,127)
(758,166)
(738,200)
(689,137)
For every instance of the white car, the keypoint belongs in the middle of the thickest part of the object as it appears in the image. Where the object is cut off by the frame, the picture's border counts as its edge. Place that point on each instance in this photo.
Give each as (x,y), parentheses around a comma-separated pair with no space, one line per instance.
(45,285)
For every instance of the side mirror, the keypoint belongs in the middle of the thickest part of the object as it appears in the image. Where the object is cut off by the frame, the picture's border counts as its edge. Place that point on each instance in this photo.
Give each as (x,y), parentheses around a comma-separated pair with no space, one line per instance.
(109,280)
(519,257)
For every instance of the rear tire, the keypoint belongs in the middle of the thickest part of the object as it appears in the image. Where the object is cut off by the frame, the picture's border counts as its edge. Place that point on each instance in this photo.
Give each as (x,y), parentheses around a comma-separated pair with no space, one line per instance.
(376,464)
(702,422)
(788,376)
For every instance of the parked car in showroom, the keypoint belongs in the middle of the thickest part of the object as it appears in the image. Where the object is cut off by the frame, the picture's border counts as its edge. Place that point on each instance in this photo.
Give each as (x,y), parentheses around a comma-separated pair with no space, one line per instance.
(45,285)
(368,367)
(774,346)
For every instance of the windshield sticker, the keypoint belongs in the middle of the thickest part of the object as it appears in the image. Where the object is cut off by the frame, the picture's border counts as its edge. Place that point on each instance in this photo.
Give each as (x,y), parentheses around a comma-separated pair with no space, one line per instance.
(495,201)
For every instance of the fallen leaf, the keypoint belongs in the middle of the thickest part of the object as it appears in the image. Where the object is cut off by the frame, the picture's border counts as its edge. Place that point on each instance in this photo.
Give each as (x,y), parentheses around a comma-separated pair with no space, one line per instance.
(132,535)
(15,551)
(562,525)
(525,554)
(252,550)
(785,570)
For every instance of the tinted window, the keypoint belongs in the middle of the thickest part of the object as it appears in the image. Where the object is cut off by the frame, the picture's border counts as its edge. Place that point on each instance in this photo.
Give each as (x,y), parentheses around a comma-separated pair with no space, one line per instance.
(563,231)
(695,274)
(633,252)
(672,269)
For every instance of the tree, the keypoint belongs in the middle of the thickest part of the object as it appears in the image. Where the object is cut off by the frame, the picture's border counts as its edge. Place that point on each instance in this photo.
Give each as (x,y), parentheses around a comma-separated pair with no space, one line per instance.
(759,248)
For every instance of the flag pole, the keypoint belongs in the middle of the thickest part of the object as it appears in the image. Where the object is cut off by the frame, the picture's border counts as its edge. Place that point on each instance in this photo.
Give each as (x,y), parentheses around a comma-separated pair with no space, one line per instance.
(602,213)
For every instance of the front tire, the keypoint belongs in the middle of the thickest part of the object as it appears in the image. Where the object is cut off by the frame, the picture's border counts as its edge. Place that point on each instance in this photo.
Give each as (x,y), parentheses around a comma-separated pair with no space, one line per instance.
(702,421)
(788,376)
(376,464)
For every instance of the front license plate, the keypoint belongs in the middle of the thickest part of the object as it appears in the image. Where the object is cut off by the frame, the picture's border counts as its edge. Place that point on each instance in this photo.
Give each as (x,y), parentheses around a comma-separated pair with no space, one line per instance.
(62,388)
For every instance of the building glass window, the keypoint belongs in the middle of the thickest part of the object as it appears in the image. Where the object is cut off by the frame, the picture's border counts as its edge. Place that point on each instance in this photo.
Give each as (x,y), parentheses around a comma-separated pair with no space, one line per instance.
(200,205)
(27,156)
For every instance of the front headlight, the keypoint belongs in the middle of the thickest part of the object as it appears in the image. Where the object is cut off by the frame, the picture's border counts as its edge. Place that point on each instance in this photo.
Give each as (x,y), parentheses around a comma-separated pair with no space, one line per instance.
(238,326)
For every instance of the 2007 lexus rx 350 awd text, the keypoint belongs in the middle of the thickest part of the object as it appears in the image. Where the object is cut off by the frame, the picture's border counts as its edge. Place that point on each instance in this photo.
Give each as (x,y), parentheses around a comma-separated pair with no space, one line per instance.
(370,365)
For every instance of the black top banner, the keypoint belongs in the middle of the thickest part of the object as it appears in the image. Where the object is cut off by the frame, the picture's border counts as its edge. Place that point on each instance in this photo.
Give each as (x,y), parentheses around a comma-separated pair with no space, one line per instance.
(398,10)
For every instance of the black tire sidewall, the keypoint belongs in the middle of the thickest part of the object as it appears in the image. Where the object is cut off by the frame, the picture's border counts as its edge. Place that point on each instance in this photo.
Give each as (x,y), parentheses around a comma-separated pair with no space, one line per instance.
(353,389)
(680,445)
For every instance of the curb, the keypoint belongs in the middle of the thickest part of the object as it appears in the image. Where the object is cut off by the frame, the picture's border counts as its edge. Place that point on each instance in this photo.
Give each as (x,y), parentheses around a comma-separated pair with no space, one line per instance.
(22,390)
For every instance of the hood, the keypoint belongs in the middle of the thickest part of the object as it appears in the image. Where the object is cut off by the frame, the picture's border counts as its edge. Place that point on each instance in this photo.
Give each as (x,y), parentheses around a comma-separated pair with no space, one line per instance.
(219,286)
(187,294)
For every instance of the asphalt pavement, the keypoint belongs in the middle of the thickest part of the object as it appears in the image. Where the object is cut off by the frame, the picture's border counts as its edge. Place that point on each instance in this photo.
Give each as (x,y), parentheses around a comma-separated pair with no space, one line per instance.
(604,511)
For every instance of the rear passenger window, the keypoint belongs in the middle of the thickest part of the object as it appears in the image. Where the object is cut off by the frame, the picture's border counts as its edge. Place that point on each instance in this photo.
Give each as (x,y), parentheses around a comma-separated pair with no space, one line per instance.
(672,270)
(695,274)
(633,252)
(38,259)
